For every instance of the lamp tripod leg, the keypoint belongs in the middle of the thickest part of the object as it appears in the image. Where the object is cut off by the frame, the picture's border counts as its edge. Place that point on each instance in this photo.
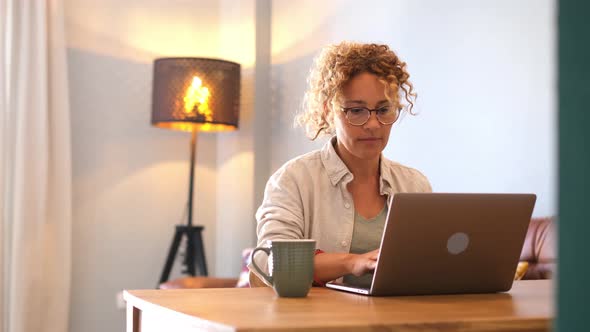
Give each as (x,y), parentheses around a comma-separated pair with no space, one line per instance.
(189,259)
(171,255)
(199,251)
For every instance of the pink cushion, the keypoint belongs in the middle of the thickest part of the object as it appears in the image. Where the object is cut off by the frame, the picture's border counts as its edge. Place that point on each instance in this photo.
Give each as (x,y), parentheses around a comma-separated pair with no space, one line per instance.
(243,280)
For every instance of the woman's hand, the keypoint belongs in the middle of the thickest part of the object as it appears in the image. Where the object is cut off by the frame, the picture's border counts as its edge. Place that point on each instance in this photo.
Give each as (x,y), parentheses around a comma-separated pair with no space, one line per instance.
(329,266)
(364,263)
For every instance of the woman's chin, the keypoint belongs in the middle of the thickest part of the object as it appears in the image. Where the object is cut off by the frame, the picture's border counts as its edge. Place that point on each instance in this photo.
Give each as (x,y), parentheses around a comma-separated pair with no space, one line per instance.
(369,155)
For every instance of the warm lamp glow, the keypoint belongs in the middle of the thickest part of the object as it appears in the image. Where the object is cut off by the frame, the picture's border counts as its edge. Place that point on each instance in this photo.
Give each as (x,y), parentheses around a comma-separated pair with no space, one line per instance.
(198,96)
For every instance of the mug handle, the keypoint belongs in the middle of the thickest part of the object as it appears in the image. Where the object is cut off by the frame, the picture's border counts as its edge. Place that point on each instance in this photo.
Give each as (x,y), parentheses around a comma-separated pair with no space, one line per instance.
(259,270)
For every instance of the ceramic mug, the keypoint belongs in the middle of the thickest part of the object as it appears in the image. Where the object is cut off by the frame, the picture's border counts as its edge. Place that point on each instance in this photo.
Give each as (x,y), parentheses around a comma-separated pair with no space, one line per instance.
(291,265)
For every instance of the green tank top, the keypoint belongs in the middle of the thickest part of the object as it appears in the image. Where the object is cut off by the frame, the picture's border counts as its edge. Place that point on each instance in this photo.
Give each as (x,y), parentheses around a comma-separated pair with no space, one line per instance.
(366,236)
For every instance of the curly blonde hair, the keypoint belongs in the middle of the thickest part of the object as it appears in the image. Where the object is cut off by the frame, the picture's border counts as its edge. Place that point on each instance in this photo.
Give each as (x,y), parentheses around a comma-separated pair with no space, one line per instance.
(335,66)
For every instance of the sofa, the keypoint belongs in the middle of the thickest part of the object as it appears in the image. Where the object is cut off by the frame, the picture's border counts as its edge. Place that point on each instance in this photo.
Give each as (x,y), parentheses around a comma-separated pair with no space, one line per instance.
(538,252)
(540,249)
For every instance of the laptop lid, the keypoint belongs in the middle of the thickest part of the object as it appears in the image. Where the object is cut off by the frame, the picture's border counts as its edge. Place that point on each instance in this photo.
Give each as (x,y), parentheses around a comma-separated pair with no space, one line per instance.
(440,243)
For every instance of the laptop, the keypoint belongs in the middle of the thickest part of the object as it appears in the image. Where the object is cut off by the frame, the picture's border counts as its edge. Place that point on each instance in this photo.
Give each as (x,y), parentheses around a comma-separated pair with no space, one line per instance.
(442,243)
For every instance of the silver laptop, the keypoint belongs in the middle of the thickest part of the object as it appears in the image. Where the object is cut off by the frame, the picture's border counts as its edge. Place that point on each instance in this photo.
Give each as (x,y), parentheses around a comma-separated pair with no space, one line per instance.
(438,243)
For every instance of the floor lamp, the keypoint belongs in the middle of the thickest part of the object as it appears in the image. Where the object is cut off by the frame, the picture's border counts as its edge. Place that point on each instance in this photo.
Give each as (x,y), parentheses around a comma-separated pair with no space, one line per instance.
(194,94)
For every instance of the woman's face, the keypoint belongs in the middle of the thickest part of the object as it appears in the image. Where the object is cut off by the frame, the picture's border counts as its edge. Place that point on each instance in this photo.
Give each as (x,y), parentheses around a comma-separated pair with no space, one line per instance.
(368,140)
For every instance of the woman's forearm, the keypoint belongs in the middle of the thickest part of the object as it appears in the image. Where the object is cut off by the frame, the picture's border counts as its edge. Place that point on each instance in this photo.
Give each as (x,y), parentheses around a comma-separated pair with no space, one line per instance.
(329,266)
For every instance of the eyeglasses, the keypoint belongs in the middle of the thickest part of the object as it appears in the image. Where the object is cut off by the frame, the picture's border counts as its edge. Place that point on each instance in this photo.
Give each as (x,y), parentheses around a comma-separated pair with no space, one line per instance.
(358,116)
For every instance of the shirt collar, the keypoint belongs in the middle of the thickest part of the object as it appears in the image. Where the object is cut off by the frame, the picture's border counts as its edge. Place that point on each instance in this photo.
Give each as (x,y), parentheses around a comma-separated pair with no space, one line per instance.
(334,166)
(337,170)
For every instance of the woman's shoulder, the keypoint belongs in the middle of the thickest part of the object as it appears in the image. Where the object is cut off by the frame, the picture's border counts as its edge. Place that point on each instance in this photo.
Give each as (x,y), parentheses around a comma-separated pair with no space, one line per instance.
(394,166)
(305,163)
(409,174)
(306,159)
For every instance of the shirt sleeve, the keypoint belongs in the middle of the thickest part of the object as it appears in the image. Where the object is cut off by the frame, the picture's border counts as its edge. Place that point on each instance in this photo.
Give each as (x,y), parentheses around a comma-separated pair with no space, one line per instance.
(281,214)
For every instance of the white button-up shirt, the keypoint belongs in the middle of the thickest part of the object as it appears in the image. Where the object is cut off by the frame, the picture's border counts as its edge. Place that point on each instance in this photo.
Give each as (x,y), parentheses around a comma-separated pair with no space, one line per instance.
(307,198)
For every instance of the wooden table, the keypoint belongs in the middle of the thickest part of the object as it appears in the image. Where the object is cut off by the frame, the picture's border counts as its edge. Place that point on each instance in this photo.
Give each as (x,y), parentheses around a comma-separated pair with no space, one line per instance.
(527,307)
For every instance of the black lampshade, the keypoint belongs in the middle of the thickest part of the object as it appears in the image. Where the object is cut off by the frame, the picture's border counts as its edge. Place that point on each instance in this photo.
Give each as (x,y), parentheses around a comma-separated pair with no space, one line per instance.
(196,94)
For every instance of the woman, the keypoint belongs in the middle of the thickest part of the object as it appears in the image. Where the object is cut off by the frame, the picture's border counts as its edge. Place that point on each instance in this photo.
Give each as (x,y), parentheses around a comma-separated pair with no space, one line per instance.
(338,195)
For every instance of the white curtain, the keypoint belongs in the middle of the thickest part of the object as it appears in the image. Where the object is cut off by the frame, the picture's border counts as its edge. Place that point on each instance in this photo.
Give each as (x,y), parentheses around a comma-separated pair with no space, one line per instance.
(35,168)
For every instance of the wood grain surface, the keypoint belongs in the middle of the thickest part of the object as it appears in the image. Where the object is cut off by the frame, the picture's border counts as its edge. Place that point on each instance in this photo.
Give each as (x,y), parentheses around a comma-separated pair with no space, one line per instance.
(527,307)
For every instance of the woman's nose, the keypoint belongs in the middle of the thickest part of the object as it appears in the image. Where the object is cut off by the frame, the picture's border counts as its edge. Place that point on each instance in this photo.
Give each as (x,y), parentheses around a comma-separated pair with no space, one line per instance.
(373,122)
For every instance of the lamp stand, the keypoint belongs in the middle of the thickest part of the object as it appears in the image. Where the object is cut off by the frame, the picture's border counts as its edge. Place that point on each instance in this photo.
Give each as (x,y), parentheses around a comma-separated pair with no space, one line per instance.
(195,252)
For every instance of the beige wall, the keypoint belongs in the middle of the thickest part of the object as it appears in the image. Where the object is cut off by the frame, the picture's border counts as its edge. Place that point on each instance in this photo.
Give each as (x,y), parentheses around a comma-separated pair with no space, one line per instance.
(130,180)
